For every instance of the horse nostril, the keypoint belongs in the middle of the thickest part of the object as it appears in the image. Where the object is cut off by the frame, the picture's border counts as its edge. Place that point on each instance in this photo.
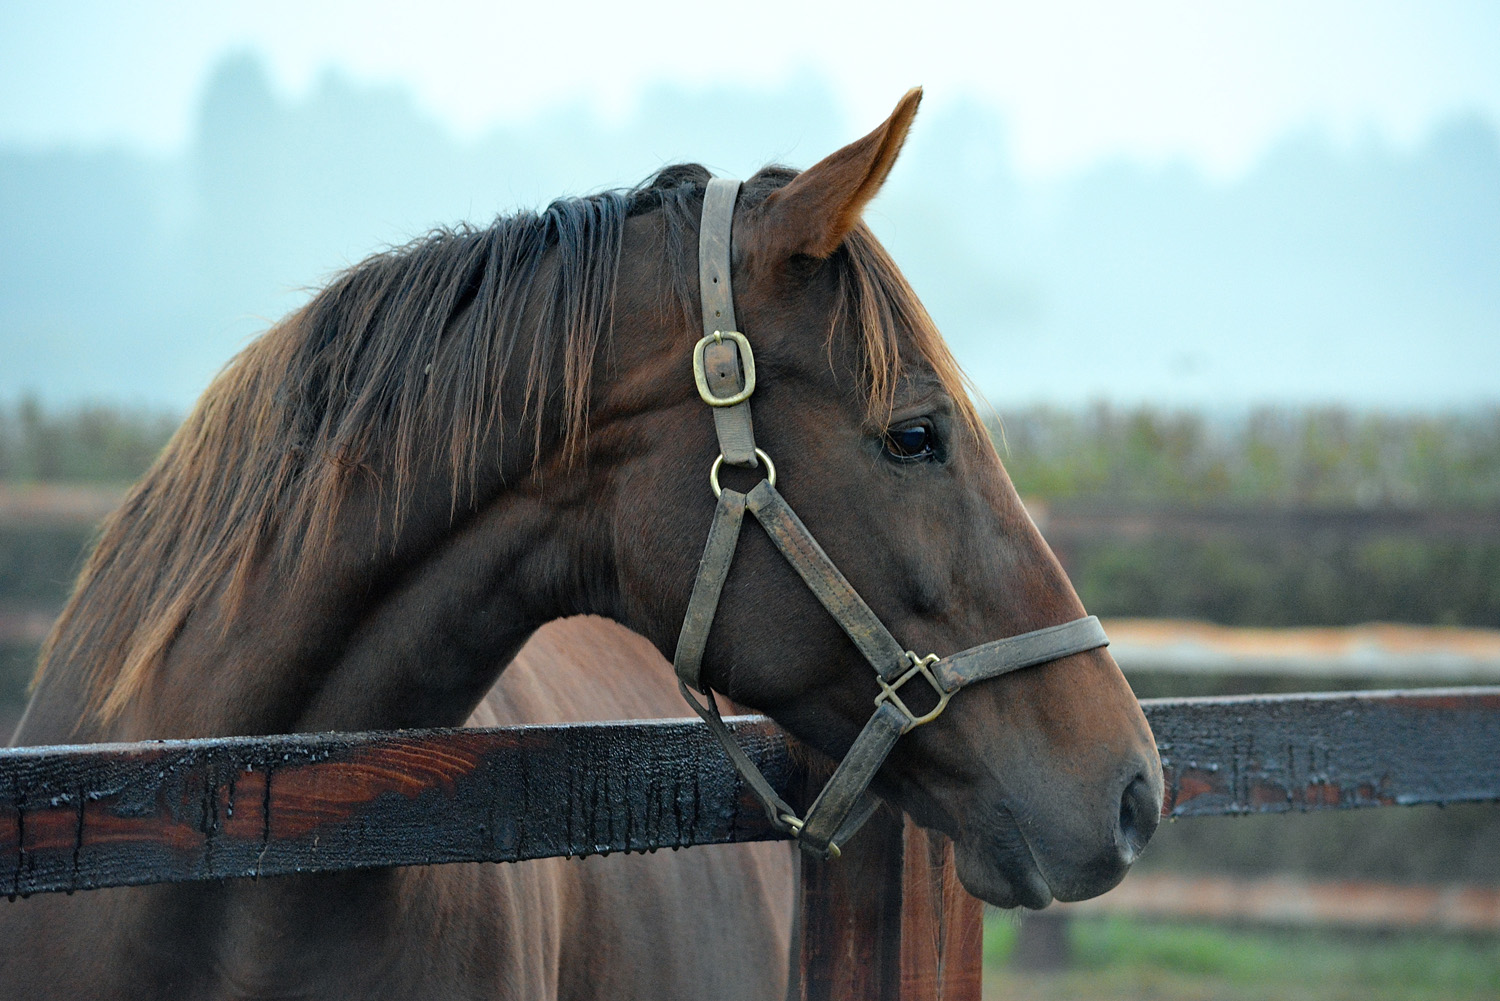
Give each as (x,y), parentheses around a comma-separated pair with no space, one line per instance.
(1139,816)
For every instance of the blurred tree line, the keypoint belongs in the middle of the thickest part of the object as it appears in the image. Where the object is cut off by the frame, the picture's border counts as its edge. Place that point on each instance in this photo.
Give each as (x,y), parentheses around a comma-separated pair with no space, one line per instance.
(1327,457)
(1330,459)
(87,444)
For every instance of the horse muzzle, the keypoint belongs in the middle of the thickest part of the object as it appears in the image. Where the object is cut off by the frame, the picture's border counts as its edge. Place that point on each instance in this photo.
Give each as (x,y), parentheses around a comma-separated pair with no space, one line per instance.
(1039,836)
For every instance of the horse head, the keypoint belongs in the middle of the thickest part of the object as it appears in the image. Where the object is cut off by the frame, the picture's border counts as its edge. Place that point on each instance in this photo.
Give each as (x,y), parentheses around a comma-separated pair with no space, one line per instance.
(1046,778)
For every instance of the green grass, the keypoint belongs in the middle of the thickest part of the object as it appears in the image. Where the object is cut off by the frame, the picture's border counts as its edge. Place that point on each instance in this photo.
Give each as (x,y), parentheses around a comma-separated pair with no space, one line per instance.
(1116,958)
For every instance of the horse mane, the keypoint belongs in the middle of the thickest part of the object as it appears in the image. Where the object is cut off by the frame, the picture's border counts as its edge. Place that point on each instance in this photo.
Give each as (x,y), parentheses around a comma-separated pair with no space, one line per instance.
(407,348)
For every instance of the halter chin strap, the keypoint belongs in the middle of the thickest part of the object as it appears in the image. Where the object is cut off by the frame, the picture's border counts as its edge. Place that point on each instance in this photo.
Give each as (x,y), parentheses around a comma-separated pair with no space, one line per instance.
(724,369)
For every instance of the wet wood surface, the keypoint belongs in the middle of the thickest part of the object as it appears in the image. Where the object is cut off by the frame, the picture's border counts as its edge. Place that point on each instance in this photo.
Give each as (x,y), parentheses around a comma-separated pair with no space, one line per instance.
(74,818)
(886,921)
(1279,753)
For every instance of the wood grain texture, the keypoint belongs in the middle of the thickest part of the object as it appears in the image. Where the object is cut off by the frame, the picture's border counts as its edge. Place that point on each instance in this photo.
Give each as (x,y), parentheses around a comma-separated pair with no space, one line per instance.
(889,921)
(74,818)
(1274,754)
(89,816)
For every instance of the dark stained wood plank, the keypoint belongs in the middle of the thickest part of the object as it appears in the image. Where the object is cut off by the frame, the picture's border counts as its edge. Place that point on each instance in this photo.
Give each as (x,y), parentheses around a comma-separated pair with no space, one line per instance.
(89,816)
(1273,754)
(850,917)
(169,811)
(888,920)
(942,926)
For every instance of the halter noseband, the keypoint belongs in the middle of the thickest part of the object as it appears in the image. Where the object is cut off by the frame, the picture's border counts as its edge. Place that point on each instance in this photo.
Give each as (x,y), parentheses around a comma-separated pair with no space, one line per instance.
(724,369)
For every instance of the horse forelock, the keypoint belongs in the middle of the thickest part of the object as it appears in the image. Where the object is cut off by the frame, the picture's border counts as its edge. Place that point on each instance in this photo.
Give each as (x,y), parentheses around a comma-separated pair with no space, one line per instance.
(354,385)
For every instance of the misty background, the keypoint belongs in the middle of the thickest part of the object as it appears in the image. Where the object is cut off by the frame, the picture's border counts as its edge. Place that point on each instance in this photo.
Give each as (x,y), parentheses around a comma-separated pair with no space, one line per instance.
(1332,271)
(1230,273)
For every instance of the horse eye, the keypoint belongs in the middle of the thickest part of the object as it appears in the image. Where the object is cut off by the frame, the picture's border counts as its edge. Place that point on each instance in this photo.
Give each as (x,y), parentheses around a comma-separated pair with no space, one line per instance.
(910,442)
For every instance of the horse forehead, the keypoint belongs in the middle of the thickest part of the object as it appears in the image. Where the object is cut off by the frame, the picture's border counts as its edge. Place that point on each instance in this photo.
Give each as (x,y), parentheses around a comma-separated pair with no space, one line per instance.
(916,380)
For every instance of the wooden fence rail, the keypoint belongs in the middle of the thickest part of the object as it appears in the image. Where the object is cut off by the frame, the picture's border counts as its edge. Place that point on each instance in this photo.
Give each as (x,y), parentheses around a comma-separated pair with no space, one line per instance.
(75,818)
(883,922)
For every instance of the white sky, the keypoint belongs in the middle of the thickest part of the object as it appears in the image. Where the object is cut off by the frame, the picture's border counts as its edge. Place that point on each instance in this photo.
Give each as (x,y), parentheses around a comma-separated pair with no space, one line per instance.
(1211,82)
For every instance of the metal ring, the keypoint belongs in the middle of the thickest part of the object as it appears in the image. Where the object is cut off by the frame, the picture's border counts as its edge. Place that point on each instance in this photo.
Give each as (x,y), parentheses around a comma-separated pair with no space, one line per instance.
(713,474)
(794,829)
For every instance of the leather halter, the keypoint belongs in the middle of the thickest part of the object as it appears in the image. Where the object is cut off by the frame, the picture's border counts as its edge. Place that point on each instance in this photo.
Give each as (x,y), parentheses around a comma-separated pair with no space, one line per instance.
(724,369)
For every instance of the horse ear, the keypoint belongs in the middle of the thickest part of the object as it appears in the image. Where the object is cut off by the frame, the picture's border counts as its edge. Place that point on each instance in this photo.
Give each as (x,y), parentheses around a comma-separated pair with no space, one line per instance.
(818,208)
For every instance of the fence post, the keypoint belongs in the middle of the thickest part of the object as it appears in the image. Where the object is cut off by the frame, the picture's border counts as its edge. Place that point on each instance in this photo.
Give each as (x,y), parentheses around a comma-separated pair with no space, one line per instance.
(888,921)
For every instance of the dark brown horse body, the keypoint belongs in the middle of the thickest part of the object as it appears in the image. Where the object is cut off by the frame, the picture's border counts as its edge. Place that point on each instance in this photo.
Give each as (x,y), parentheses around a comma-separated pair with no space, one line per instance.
(457,443)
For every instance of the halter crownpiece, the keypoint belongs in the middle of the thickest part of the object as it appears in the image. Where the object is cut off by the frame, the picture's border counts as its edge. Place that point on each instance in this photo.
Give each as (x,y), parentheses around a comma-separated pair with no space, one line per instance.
(724,370)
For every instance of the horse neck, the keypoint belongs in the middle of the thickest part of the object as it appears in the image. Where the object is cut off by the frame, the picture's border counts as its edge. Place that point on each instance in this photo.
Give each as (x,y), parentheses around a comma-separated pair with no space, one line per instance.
(406,636)
(378,630)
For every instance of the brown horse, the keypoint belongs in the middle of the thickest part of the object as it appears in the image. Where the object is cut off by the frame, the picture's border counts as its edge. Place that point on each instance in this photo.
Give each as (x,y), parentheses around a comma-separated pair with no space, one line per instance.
(457,442)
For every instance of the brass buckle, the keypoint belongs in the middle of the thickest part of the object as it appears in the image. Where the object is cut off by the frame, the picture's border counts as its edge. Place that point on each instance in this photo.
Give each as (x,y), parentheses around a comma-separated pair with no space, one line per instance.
(919,666)
(747,358)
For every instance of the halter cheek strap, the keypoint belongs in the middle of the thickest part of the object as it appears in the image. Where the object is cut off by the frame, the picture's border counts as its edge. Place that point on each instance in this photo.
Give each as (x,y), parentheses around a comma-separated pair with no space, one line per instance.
(724,369)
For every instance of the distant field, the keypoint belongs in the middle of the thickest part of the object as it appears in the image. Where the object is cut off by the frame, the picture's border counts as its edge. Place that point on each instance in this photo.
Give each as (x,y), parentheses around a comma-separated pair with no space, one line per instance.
(1115,959)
